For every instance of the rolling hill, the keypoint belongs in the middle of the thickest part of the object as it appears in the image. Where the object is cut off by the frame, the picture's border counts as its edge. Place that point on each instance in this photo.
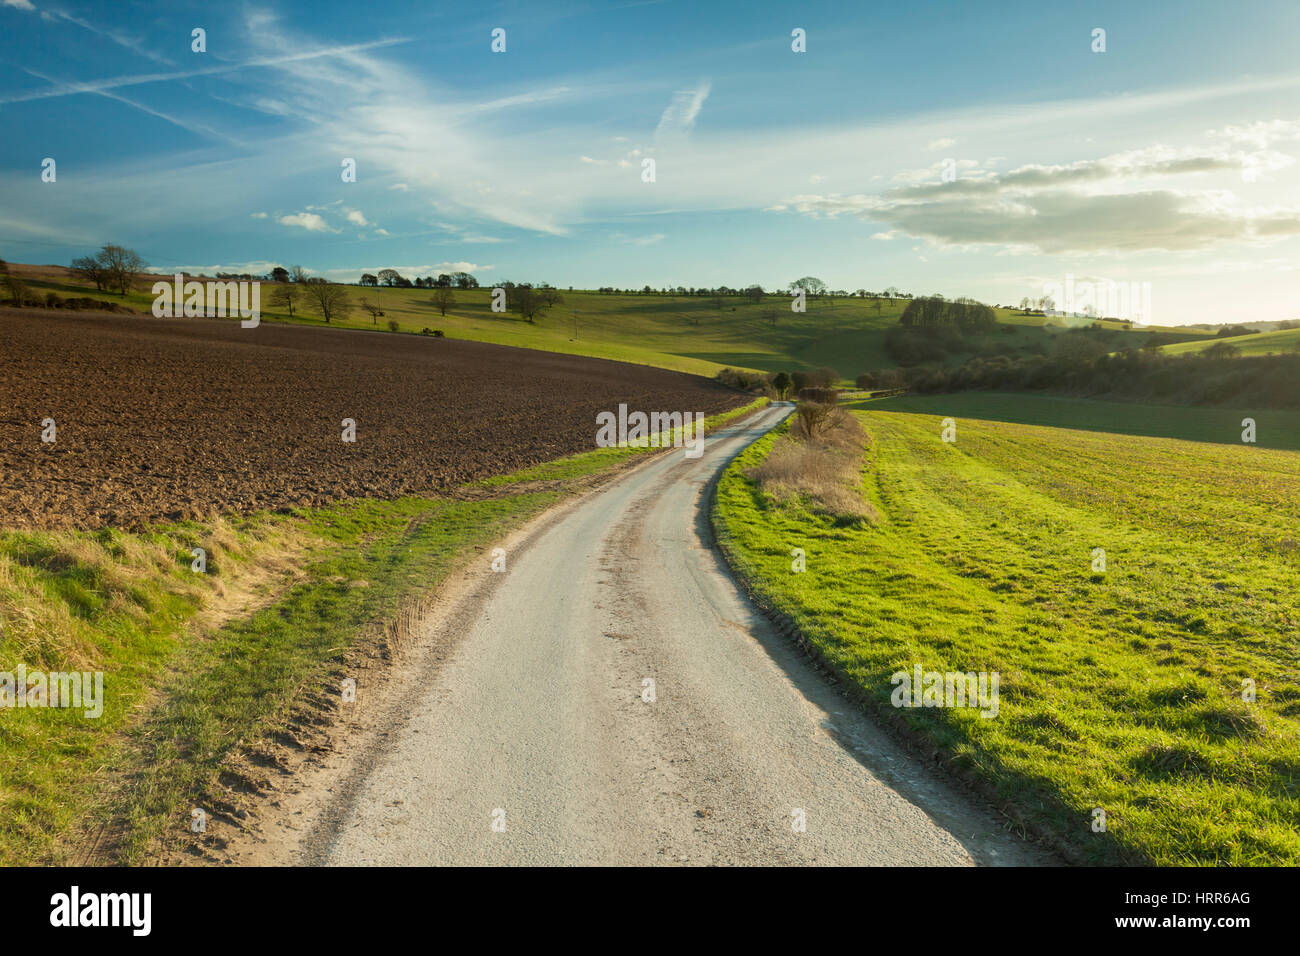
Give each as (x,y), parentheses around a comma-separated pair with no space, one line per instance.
(685,333)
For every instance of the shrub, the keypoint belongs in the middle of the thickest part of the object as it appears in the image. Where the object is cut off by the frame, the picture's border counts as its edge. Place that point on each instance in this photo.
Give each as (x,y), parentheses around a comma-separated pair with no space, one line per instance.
(813,418)
(393,326)
(745,381)
(17,289)
(822,396)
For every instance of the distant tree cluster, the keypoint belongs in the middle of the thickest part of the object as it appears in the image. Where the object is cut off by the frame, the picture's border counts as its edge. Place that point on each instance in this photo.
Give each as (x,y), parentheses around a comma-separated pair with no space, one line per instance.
(113,269)
(936,312)
(529,300)
(394,279)
(1217,375)
(779,385)
(811,286)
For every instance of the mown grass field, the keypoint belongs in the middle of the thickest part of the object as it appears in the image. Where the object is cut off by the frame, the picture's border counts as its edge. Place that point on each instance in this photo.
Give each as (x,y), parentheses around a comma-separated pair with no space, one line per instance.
(198,665)
(1120,690)
(1264,343)
(1274,427)
(684,333)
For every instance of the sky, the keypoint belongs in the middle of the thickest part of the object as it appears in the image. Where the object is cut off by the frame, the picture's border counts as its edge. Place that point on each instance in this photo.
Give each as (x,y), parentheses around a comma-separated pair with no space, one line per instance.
(982,150)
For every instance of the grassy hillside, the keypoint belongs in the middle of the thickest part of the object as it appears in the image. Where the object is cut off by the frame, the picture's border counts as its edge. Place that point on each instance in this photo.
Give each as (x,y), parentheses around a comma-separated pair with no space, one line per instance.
(685,333)
(1120,689)
(1284,340)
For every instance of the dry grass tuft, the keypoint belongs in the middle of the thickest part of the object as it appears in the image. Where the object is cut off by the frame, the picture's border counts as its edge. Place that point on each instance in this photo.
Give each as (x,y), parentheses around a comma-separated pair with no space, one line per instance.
(819,461)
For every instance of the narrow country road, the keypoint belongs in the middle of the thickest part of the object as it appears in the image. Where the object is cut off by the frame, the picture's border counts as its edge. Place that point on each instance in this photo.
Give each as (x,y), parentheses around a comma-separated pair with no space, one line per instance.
(538,721)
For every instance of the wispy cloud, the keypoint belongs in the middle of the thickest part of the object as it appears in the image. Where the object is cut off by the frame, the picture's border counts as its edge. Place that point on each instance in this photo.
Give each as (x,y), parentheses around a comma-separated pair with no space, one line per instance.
(680,116)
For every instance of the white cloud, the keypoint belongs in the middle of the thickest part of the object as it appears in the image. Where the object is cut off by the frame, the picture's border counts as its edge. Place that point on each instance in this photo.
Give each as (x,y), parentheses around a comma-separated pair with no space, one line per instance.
(410,271)
(257,215)
(356,217)
(1122,203)
(19,4)
(307,220)
(945,142)
(1261,134)
(934,171)
(258,267)
(402,187)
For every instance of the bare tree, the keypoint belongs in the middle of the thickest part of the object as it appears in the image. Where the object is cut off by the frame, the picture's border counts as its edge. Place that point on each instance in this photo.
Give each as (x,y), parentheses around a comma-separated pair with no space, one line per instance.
(443,299)
(374,310)
(284,295)
(330,300)
(88,269)
(121,265)
(298,273)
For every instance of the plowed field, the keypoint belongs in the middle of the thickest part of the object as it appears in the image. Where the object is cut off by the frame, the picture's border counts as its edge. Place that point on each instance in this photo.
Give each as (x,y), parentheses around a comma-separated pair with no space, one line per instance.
(169,419)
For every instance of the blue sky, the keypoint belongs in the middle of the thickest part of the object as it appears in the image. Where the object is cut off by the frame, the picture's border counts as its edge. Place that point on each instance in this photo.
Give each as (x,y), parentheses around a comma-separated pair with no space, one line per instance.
(1169,159)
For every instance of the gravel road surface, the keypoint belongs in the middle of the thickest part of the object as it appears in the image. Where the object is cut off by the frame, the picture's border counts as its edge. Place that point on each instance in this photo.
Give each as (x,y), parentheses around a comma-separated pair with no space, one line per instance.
(539,741)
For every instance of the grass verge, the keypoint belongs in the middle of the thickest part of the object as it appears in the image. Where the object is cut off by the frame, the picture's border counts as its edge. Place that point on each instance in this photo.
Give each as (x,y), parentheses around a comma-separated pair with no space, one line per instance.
(1121,689)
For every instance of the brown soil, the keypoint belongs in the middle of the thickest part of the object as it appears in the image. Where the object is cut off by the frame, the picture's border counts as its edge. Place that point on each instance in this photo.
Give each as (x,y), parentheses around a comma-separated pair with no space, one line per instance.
(166,419)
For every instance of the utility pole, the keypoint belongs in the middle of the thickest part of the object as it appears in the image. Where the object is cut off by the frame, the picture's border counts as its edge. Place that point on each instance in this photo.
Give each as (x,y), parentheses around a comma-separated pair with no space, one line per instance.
(575,325)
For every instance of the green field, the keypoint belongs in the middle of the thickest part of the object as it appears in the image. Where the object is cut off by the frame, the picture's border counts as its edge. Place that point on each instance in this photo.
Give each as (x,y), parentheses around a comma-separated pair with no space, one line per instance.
(1120,690)
(685,333)
(1274,427)
(1264,343)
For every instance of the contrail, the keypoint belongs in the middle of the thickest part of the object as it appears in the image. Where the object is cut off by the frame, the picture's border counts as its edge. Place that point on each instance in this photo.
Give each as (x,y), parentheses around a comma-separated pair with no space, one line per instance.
(97,86)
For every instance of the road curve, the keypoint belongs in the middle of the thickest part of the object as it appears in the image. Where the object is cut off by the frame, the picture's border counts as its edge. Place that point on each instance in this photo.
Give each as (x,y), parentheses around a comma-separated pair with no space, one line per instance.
(533,742)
